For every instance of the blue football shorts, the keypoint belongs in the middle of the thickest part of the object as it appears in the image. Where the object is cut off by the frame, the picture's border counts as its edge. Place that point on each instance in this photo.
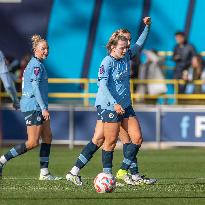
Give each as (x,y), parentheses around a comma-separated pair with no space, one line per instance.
(113,116)
(33,117)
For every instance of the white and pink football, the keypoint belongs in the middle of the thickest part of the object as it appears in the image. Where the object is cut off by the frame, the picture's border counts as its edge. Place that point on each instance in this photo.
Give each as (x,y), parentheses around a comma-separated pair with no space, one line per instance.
(104,183)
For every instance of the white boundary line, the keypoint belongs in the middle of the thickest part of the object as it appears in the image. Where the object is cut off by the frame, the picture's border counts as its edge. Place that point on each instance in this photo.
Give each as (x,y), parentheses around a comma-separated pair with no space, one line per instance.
(89,178)
(36,178)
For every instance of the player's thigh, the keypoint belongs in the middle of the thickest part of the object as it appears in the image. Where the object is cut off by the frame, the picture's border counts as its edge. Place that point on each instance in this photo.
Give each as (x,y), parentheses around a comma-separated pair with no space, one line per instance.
(111,132)
(33,120)
(46,133)
(34,133)
(111,125)
(98,137)
(124,136)
(132,126)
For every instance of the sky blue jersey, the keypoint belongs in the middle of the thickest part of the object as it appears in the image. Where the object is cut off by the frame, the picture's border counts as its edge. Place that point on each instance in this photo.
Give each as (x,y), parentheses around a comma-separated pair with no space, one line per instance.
(34,87)
(114,77)
(3,66)
(8,81)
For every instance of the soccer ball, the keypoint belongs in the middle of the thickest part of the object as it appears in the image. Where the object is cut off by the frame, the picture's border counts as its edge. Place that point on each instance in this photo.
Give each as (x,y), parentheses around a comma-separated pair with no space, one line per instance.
(104,183)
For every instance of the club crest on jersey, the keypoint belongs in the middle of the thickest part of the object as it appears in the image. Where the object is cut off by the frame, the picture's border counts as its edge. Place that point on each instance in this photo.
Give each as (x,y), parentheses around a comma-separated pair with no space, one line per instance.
(38,119)
(36,70)
(102,70)
(111,115)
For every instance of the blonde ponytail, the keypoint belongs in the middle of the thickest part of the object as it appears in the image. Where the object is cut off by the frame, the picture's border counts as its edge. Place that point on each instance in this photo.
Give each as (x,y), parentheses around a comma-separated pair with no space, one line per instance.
(35,39)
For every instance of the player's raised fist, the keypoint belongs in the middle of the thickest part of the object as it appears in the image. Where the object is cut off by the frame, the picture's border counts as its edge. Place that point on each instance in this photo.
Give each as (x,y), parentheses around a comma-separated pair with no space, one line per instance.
(147,20)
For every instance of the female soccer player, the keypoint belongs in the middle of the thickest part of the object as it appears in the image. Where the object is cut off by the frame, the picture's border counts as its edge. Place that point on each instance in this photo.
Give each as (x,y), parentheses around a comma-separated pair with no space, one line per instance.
(34,106)
(8,82)
(98,140)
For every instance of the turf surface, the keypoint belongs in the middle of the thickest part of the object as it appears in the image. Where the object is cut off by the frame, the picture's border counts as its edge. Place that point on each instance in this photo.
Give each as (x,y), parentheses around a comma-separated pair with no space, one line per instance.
(180,174)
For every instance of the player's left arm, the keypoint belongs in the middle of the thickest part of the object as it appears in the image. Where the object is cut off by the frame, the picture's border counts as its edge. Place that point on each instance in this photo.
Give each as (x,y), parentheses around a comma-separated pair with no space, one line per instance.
(141,40)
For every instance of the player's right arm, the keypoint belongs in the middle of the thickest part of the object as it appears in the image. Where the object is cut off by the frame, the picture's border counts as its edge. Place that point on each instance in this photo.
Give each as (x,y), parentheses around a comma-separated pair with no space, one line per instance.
(141,40)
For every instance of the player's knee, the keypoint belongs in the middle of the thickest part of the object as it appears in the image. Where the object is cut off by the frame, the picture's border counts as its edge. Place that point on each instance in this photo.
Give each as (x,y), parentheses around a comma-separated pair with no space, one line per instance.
(137,140)
(109,146)
(32,144)
(125,140)
(140,141)
(98,142)
(98,139)
(47,139)
(113,146)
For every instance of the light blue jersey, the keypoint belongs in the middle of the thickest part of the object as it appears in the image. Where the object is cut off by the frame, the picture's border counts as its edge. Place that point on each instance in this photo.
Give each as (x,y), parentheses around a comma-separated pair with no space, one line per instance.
(34,87)
(8,81)
(114,77)
(3,67)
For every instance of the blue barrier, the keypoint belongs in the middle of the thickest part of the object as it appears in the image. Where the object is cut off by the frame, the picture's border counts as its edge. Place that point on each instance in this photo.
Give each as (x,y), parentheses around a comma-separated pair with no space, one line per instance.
(183,126)
(160,124)
(13,125)
(70,124)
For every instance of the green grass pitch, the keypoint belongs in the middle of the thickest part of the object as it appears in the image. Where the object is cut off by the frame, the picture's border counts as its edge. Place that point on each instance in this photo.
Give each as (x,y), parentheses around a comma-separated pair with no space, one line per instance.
(180,173)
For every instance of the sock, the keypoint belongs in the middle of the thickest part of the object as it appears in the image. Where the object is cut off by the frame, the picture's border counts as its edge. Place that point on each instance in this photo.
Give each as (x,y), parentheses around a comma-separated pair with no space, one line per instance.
(129,155)
(44,171)
(86,154)
(44,158)
(2,160)
(134,167)
(14,152)
(125,160)
(107,157)
(75,170)
(125,148)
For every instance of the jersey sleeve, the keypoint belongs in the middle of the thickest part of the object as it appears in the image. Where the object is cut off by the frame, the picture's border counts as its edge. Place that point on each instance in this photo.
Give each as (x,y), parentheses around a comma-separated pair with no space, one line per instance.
(103,77)
(36,73)
(134,50)
(10,87)
(3,66)
(1,57)
(35,80)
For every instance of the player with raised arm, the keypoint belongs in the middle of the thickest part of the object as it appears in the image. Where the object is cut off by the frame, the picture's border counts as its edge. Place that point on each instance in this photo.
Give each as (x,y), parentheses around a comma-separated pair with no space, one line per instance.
(34,106)
(98,140)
